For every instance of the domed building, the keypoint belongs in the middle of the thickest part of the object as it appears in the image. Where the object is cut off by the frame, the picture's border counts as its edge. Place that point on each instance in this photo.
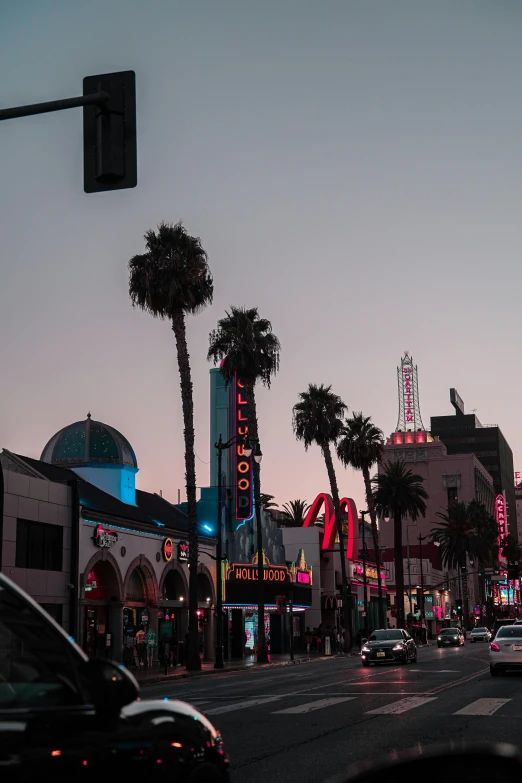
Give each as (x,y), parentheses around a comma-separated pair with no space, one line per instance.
(99,454)
(108,561)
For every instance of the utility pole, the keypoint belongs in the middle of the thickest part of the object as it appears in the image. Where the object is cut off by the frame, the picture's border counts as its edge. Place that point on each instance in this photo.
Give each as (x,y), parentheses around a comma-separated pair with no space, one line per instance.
(109,129)
(363,514)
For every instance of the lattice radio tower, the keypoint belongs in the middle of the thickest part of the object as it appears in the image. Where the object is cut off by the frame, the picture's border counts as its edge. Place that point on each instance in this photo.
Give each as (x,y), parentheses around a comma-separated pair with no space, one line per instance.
(408,387)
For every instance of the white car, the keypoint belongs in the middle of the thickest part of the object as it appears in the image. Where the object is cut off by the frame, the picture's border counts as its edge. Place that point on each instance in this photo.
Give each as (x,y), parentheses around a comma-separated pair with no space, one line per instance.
(480,635)
(506,651)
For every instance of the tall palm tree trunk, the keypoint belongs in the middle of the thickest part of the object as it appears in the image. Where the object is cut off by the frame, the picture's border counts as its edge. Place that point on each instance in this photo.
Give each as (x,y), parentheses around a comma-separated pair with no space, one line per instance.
(262,652)
(375,536)
(342,549)
(178,327)
(399,570)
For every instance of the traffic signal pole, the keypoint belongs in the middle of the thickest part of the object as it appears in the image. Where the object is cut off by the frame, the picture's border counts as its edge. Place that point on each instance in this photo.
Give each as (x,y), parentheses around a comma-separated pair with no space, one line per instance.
(96,99)
(109,129)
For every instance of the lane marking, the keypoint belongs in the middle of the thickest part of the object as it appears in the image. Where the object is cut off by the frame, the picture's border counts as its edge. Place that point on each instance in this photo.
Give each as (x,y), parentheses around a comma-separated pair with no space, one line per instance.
(313,705)
(462,681)
(398,707)
(356,694)
(437,671)
(482,707)
(242,705)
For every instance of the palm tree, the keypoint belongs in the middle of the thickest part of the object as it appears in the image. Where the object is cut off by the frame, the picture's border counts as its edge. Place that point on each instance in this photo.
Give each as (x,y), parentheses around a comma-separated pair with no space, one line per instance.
(399,493)
(267,502)
(247,348)
(318,418)
(511,549)
(295,511)
(361,446)
(171,280)
(467,530)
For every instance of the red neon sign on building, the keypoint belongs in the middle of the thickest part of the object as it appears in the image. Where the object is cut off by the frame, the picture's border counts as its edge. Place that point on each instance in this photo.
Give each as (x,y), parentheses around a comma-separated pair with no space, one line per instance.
(500,516)
(330,527)
(243,463)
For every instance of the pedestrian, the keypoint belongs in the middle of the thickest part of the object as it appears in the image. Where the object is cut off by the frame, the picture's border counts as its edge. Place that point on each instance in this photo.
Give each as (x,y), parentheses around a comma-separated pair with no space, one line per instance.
(150,641)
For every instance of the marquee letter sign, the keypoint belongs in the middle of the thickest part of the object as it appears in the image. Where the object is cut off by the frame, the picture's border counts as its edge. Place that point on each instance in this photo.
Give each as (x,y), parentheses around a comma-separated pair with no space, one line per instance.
(243,463)
(500,516)
(330,527)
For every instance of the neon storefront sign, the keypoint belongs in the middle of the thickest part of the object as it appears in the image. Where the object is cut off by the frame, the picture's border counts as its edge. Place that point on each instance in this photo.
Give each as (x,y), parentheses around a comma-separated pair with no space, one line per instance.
(104,538)
(243,463)
(330,527)
(249,572)
(500,516)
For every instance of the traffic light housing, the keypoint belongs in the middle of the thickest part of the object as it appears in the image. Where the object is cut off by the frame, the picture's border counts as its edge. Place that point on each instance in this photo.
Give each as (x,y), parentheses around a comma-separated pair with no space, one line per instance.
(109,133)
(459,605)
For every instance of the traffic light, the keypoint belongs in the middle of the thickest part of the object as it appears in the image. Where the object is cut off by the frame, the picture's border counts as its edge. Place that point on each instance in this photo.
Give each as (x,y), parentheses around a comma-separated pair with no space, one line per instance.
(459,605)
(109,133)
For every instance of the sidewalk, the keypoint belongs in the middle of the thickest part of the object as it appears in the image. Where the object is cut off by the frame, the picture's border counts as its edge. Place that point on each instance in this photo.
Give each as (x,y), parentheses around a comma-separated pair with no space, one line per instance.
(157,673)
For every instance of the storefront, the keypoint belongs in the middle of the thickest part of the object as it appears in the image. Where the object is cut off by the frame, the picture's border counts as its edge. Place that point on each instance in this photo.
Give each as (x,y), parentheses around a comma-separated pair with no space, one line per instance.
(287,593)
(357,571)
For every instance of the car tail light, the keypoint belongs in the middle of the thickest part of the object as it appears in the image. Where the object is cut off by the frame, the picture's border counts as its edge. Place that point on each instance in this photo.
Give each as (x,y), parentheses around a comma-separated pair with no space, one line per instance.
(494,647)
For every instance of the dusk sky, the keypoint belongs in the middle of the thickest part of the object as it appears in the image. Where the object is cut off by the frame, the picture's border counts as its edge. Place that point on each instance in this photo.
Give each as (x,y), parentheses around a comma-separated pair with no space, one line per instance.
(354,170)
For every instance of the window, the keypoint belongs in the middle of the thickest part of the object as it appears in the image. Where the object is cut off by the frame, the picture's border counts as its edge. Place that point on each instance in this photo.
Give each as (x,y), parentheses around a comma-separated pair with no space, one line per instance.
(37,668)
(452,495)
(38,545)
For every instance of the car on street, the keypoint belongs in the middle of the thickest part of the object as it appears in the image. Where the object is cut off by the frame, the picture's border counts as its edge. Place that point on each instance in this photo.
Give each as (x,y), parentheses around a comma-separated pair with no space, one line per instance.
(387,646)
(500,624)
(450,637)
(505,651)
(64,716)
(480,635)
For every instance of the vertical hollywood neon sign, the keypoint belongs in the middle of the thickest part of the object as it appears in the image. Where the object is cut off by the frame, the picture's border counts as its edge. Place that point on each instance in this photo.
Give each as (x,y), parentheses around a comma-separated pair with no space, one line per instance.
(243,463)
(407,392)
(500,516)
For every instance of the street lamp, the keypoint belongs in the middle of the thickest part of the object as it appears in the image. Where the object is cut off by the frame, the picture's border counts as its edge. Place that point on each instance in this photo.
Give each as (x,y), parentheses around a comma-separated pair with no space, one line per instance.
(258,455)
(363,514)
(218,663)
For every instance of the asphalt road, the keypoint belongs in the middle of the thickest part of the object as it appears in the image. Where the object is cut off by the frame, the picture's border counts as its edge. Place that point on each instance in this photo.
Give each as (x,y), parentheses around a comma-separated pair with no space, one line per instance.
(308,722)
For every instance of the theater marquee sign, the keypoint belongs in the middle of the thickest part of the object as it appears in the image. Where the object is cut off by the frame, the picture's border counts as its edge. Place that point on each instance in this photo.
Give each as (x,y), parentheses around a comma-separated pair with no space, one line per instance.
(241,580)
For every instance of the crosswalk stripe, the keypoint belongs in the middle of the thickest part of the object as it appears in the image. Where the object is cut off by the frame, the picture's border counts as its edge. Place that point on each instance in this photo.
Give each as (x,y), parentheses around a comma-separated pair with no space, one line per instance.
(313,705)
(482,707)
(398,707)
(240,705)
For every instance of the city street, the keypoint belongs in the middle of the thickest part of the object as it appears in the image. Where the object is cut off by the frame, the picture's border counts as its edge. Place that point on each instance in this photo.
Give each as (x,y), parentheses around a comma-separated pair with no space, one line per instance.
(307,722)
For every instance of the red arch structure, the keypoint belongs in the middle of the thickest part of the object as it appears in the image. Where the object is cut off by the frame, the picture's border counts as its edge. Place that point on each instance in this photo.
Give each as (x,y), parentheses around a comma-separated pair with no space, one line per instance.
(330,528)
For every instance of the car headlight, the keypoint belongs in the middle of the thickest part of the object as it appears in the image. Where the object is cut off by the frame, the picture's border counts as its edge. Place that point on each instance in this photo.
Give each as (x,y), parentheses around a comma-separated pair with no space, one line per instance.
(365,649)
(398,647)
(439,638)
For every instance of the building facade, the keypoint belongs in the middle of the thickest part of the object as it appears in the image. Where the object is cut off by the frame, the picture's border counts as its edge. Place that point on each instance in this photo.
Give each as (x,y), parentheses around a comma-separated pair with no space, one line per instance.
(108,561)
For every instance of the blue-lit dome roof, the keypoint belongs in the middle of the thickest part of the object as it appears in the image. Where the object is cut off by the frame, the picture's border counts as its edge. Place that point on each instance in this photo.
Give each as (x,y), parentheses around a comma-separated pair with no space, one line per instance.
(89,442)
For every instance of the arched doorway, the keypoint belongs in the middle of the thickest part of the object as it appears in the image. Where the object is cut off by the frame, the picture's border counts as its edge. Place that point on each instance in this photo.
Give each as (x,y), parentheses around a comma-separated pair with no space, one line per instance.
(205,618)
(102,590)
(173,611)
(140,612)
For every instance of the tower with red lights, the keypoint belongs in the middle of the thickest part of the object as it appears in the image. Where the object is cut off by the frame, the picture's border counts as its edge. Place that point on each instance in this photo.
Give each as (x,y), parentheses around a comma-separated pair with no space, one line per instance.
(408,388)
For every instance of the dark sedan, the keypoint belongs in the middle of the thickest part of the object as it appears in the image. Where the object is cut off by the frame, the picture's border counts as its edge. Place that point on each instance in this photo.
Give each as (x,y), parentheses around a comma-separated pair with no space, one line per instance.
(65,717)
(388,646)
(450,637)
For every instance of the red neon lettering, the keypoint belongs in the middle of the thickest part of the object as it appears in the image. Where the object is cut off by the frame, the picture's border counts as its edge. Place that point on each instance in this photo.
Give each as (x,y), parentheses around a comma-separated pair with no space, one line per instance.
(240,451)
(243,467)
(243,484)
(240,400)
(241,385)
(242,430)
(240,416)
(330,527)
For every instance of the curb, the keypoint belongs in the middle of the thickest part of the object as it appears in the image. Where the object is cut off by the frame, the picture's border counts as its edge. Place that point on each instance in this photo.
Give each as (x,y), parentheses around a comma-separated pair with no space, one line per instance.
(205,673)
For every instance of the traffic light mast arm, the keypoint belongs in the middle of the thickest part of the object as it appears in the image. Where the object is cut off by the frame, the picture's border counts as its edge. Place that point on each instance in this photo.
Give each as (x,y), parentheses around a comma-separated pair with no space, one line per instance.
(96,99)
